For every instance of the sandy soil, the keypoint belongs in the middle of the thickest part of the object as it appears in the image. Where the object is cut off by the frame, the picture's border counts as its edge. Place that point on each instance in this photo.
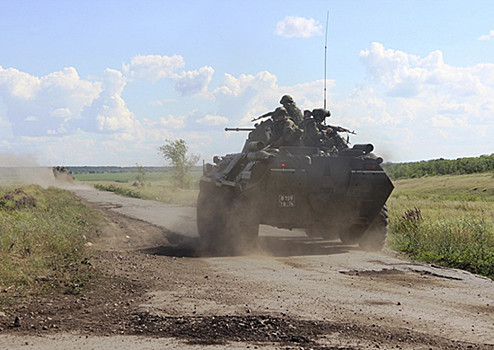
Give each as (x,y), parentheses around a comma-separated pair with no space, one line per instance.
(154,288)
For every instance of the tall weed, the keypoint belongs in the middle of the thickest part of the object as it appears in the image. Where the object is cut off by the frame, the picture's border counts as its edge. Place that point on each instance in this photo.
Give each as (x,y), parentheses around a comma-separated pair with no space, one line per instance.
(465,242)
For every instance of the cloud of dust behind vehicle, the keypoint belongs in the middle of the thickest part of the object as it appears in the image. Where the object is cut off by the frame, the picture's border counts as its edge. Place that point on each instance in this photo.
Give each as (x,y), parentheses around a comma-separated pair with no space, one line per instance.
(18,170)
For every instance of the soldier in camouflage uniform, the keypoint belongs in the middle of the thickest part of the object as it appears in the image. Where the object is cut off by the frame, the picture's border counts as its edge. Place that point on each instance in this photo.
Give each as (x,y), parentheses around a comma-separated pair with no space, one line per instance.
(314,135)
(307,114)
(325,137)
(294,113)
(285,132)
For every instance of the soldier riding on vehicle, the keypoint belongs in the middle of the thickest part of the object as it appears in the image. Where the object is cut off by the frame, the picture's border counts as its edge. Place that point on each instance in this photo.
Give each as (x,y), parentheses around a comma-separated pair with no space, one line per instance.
(324,137)
(284,130)
(294,113)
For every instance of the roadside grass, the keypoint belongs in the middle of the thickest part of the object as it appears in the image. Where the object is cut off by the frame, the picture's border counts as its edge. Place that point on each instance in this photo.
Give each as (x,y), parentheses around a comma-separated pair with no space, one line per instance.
(127,192)
(127,177)
(158,186)
(447,220)
(42,240)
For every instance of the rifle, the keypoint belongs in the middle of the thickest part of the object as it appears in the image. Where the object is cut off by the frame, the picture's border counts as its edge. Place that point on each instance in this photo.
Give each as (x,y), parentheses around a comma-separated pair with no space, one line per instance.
(240,129)
(269,114)
(336,128)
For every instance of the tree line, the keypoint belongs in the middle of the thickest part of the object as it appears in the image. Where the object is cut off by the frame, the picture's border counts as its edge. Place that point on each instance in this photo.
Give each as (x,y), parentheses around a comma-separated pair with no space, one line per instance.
(441,166)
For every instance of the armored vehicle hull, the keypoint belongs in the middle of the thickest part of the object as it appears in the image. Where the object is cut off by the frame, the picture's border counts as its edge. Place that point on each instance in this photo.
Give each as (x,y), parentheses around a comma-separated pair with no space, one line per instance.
(338,194)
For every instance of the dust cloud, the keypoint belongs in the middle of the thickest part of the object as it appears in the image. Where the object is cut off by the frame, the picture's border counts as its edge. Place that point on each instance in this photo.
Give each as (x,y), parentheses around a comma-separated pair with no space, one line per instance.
(387,154)
(18,170)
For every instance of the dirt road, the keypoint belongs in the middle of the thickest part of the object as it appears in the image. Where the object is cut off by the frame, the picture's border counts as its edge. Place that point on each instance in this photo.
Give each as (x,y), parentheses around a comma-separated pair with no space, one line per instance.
(162,292)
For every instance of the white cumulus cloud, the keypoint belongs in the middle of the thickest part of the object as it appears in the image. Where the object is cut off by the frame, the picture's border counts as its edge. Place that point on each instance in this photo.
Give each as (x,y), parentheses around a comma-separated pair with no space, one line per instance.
(486,36)
(193,82)
(442,121)
(46,105)
(153,67)
(162,102)
(173,122)
(108,113)
(213,120)
(18,85)
(298,27)
(416,106)
(425,102)
(407,75)
(247,96)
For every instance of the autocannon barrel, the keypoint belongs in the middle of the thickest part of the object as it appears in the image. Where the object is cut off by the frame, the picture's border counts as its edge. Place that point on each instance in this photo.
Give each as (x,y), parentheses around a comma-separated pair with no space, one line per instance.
(240,129)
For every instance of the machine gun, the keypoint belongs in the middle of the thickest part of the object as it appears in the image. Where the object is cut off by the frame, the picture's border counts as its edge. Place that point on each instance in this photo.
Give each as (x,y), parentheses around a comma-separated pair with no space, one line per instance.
(240,129)
(335,129)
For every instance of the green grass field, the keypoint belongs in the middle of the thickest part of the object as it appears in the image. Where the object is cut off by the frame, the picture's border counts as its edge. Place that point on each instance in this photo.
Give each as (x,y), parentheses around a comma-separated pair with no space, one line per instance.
(158,186)
(472,187)
(448,220)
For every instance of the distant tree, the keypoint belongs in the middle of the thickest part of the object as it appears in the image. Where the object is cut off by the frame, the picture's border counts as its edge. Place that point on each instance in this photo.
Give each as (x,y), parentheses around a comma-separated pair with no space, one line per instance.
(441,166)
(176,153)
(141,175)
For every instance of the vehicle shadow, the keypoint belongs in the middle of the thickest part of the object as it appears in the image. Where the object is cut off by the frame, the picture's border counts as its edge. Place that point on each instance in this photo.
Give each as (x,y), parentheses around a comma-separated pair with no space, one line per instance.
(278,246)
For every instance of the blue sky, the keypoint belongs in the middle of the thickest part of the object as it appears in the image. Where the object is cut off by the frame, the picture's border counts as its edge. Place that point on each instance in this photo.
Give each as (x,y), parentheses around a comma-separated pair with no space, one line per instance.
(107,82)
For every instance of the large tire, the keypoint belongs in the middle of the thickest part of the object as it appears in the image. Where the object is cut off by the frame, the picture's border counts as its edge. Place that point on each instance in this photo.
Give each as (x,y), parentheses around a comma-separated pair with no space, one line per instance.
(350,235)
(243,225)
(374,237)
(212,207)
(227,224)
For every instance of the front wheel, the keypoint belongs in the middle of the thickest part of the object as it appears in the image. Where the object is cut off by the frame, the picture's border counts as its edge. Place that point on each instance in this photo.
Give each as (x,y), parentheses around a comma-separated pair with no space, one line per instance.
(227,223)
(212,213)
(243,225)
(374,237)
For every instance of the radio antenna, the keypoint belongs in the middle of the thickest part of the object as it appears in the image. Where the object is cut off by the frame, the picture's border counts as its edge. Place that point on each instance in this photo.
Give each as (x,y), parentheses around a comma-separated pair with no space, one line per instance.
(325,55)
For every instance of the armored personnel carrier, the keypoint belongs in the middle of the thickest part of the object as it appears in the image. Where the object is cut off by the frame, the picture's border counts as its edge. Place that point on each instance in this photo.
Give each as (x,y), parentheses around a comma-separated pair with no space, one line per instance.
(61,173)
(337,193)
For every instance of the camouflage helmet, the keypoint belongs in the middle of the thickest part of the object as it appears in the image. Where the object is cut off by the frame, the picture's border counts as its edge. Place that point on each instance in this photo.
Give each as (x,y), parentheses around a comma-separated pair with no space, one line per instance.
(286,99)
(279,111)
(321,113)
